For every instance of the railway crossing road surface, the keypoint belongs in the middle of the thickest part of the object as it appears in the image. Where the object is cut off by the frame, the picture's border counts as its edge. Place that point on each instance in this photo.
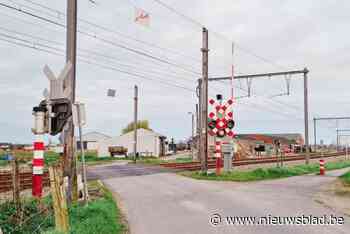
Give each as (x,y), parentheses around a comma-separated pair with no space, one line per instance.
(158,202)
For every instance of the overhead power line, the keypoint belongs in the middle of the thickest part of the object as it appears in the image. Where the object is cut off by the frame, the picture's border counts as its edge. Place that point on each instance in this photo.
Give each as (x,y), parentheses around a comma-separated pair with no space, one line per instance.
(55,51)
(247,51)
(141,53)
(118,33)
(103,56)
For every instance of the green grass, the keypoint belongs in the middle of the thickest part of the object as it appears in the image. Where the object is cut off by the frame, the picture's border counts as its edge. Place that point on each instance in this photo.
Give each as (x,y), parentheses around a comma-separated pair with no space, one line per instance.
(52,158)
(157,161)
(267,173)
(100,216)
(150,160)
(346,178)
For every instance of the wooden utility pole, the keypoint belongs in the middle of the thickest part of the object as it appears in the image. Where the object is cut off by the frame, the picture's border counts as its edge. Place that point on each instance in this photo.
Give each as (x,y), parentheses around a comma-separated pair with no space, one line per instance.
(70,160)
(59,200)
(135,122)
(204,103)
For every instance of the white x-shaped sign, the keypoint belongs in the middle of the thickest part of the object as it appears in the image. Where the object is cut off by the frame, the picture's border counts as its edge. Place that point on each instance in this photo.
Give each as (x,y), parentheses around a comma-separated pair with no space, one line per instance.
(56,83)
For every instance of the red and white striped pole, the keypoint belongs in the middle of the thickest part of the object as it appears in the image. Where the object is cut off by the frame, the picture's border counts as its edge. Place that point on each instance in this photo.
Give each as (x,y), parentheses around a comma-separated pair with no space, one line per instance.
(218,157)
(38,166)
(322,167)
(39,149)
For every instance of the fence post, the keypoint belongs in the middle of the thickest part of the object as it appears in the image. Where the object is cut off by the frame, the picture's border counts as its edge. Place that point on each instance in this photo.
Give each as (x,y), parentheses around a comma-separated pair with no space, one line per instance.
(16,185)
(59,199)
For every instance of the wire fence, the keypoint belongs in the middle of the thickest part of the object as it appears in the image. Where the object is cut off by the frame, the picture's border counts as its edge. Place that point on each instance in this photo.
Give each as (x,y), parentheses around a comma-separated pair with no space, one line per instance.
(8,185)
(19,212)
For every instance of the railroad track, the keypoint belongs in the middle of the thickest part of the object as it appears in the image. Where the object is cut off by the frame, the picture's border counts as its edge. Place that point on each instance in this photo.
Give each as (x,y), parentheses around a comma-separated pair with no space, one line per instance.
(25,181)
(193,166)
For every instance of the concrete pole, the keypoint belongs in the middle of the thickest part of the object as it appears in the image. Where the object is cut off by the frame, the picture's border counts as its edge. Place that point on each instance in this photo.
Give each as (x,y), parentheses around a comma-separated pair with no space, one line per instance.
(70,161)
(204,132)
(306,117)
(197,131)
(135,122)
(337,140)
(315,136)
(200,120)
(192,134)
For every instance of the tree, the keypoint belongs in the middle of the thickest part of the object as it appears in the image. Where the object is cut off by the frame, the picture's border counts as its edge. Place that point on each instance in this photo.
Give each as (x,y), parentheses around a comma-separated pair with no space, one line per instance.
(140,124)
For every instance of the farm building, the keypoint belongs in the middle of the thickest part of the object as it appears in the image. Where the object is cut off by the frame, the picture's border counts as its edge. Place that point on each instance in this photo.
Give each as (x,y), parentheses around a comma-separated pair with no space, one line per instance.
(91,140)
(250,141)
(149,143)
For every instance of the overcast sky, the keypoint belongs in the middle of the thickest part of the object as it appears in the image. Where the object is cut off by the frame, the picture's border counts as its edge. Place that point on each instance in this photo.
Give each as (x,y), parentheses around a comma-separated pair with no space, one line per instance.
(269,36)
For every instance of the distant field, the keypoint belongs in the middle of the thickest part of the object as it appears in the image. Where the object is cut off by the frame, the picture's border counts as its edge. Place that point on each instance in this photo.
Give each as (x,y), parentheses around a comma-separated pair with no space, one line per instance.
(52,157)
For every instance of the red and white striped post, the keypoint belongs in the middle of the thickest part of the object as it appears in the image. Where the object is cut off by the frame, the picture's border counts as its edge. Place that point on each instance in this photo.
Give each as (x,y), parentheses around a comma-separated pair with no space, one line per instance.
(39,148)
(322,167)
(218,157)
(38,166)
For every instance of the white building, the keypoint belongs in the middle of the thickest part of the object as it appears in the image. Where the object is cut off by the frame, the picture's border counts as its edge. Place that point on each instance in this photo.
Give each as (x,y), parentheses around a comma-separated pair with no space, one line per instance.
(91,140)
(149,143)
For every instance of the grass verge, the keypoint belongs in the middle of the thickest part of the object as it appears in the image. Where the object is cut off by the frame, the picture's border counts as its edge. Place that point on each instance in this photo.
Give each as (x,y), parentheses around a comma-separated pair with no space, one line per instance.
(51,158)
(346,179)
(157,161)
(100,216)
(266,173)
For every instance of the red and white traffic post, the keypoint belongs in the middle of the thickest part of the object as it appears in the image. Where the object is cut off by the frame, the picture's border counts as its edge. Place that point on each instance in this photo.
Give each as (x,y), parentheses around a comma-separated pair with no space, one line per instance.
(322,167)
(218,156)
(39,149)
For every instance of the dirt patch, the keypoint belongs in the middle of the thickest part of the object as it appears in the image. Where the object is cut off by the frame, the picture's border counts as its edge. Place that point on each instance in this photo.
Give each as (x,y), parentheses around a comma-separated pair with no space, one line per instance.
(335,196)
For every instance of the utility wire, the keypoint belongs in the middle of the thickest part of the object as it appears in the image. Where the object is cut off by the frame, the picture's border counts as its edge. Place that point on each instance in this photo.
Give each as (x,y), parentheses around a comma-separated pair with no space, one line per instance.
(28,44)
(141,53)
(117,32)
(247,51)
(42,18)
(98,54)
(24,43)
(169,70)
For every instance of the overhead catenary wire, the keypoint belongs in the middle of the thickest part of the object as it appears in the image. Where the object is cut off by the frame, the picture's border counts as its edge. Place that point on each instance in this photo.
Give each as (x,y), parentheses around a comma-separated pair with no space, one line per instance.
(100,55)
(118,33)
(49,49)
(169,71)
(121,34)
(94,36)
(245,50)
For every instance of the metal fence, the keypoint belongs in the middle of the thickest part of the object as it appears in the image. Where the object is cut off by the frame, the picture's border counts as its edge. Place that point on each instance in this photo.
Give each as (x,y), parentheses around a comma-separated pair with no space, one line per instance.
(16,178)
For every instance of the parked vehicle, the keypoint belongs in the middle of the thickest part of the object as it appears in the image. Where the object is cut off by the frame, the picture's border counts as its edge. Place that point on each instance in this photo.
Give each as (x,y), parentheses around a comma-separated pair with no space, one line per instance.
(118,151)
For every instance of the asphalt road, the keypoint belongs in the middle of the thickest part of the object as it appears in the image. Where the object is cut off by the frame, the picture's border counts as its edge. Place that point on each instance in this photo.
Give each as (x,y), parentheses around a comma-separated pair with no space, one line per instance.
(158,202)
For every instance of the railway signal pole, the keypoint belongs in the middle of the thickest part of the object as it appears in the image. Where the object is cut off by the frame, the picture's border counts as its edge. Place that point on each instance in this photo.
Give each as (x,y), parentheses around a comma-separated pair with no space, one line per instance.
(203,150)
(135,122)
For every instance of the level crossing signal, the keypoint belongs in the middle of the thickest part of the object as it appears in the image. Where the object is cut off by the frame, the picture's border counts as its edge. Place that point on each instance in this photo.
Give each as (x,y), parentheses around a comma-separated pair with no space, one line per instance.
(220,121)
